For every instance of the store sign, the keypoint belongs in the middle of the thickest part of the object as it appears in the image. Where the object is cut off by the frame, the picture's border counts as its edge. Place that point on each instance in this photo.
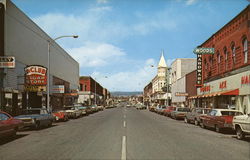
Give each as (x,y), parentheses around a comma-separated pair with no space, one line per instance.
(35,75)
(199,70)
(223,85)
(7,62)
(205,89)
(181,94)
(8,95)
(245,79)
(35,88)
(204,51)
(58,89)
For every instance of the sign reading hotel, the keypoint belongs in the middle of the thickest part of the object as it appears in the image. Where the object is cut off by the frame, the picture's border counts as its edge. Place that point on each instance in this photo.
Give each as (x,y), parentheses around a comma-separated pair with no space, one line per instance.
(7,62)
(35,75)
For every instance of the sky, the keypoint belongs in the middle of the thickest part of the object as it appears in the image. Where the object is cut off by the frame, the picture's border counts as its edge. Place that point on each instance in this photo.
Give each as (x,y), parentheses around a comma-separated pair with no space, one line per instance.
(120,40)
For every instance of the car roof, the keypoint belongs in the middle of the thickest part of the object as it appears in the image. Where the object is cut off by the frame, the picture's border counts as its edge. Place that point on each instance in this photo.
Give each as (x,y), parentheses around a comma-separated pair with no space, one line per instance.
(226,110)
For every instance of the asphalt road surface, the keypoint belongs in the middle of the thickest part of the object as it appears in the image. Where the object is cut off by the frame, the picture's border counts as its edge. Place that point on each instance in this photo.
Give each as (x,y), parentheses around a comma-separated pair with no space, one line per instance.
(124,133)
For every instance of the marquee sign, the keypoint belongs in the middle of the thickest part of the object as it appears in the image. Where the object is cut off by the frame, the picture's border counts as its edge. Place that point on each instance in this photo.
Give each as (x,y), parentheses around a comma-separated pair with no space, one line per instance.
(35,75)
(35,88)
(7,62)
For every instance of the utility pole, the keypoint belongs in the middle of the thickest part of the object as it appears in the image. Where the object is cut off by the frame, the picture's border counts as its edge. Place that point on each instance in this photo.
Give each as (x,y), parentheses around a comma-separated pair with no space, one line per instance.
(2,51)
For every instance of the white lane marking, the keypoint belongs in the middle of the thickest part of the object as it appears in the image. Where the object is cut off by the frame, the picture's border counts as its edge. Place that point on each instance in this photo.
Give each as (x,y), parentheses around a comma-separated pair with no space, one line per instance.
(123,157)
(124,123)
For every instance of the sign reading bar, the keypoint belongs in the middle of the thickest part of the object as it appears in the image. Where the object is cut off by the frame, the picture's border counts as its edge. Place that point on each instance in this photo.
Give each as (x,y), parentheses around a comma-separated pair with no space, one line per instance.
(35,75)
(199,70)
(7,62)
(204,50)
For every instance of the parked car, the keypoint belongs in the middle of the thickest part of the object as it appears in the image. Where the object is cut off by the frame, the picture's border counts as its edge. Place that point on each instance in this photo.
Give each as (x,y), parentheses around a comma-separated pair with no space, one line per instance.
(179,112)
(241,124)
(9,125)
(81,108)
(168,110)
(194,115)
(94,108)
(140,106)
(219,119)
(73,112)
(160,108)
(152,108)
(60,115)
(100,108)
(36,117)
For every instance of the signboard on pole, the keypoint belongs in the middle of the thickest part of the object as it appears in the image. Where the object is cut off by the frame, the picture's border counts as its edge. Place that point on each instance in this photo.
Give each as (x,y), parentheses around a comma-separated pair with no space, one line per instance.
(35,75)
(199,71)
(204,50)
(58,89)
(7,62)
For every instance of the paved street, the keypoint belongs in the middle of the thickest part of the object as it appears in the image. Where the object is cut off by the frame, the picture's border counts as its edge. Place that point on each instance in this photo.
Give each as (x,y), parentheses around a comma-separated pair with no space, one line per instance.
(125,133)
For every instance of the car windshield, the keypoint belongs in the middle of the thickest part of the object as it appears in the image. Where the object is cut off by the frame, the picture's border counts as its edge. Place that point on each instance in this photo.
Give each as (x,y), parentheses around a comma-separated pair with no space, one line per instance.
(183,109)
(28,112)
(231,113)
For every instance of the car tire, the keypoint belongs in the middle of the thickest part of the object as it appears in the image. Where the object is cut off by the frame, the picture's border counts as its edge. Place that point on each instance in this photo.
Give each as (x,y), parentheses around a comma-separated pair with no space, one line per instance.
(186,120)
(217,128)
(50,123)
(202,125)
(196,122)
(37,125)
(239,133)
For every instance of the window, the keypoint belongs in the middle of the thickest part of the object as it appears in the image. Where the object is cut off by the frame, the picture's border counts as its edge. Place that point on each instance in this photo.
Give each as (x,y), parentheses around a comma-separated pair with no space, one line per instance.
(81,87)
(3,117)
(233,54)
(245,50)
(226,57)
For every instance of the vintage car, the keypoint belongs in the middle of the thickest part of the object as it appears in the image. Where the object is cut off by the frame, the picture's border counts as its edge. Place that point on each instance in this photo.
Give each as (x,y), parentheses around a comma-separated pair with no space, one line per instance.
(168,110)
(100,108)
(241,124)
(9,125)
(60,115)
(179,112)
(73,112)
(140,106)
(81,108)
(94,108)
(160,108)
(219,119)
(194,115)
(36,117)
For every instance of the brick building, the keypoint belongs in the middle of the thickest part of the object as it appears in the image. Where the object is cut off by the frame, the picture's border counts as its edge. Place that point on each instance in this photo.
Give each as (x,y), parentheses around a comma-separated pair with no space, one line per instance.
(226,73)
(191,89)
(91,92)
(147,93)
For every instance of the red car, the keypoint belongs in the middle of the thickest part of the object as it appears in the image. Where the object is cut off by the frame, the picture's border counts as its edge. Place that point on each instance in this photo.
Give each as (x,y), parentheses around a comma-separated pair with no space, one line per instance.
(168,110)
(60,115)
(9,125)
(219,119)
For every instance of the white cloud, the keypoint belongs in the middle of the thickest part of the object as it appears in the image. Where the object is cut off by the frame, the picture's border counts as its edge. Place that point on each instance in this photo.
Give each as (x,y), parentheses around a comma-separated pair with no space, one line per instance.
(96,54)
(190,2)
(127,80)
(102,1)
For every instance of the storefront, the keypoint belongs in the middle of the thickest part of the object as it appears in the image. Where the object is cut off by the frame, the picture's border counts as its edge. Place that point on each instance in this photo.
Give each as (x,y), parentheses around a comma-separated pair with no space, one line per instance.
(229,92)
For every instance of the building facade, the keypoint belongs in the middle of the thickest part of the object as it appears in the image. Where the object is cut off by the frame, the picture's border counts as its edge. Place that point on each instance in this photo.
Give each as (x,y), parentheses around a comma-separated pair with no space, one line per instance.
(226,73)
(28,44)
(179,68)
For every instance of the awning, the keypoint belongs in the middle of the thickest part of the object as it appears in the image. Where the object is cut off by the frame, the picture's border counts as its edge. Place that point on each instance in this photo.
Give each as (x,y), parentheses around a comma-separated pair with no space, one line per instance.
(233,92)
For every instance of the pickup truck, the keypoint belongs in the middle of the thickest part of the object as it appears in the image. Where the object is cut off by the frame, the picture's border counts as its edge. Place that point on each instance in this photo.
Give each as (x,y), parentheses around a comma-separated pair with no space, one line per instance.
(241,124)
(219,119)
(36,117)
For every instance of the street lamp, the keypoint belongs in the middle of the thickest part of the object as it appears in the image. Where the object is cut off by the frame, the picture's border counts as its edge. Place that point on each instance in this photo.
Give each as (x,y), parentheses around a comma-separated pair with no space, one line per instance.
(48,70)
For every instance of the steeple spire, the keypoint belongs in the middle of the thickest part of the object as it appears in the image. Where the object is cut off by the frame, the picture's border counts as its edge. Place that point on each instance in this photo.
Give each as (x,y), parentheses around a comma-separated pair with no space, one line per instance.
(162,62)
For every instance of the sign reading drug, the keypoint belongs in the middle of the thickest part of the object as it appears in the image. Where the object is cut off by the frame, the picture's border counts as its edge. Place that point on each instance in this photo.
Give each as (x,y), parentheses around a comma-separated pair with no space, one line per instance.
(204,50)
(58,89)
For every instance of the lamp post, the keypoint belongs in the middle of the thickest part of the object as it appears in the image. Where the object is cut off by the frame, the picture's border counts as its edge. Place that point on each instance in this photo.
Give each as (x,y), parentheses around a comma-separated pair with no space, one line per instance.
(48,70)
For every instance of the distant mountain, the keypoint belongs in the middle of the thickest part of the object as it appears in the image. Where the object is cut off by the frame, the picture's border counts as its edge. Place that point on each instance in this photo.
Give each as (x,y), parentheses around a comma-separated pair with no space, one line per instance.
(121,93)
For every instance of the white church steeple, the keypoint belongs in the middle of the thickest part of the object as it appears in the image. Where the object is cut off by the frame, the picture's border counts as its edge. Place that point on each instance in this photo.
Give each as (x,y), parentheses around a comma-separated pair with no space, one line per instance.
(162,62)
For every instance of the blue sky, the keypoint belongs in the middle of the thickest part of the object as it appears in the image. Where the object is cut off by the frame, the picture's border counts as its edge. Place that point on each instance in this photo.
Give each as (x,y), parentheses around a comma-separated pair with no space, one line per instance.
(120,39)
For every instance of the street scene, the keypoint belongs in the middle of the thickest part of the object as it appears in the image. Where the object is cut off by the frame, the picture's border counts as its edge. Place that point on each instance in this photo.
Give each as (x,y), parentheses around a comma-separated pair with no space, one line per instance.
(128,80)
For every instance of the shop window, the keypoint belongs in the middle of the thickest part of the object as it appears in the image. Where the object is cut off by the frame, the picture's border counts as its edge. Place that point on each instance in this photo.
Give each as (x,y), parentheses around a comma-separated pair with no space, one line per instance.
(245,50)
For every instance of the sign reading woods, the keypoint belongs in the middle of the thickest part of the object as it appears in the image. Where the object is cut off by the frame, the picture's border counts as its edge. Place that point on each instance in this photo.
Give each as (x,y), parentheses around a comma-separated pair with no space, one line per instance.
(35,75)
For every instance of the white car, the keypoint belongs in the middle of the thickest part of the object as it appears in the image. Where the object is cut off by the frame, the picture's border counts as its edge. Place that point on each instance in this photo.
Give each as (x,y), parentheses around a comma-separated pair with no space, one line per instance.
(73,112)
(241,125)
